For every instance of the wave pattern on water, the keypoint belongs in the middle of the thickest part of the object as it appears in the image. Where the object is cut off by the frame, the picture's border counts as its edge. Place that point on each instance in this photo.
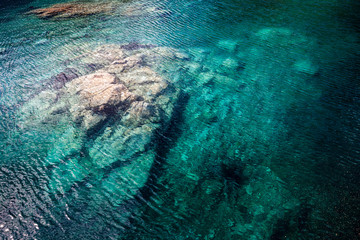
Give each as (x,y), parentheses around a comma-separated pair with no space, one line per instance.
(211,120)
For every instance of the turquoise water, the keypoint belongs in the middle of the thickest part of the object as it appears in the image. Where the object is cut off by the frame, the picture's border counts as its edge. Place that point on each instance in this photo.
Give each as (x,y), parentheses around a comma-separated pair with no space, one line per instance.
(261,142)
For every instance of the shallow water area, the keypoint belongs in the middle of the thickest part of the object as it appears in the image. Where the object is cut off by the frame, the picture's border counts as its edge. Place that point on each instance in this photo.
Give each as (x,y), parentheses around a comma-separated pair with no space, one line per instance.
(180,119)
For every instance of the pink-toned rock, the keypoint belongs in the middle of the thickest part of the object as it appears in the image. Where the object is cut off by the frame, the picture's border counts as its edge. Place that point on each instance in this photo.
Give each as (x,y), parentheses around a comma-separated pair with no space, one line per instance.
(143,81)
(96,95)
(72,9)
(101,91)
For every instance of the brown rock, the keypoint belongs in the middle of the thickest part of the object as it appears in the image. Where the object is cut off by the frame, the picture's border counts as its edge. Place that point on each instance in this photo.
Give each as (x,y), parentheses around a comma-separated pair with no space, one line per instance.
(59,81)
(72,9)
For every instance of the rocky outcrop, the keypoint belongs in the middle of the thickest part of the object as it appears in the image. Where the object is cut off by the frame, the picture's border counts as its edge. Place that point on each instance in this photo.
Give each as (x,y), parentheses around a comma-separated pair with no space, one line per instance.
(104,123)
(80,9)
(72,9)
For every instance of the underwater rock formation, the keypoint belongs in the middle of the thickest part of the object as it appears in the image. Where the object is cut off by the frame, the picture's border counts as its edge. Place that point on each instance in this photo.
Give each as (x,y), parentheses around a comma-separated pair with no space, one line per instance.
(101,126)
(81,9)
(72,9)
(244,90)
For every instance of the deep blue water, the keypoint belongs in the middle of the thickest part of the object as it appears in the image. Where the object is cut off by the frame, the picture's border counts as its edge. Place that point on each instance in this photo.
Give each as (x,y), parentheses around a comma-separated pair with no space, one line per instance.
(262,142)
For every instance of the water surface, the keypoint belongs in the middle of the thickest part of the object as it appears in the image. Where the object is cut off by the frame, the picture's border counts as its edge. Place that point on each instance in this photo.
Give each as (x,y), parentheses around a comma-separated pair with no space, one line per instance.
(262,143)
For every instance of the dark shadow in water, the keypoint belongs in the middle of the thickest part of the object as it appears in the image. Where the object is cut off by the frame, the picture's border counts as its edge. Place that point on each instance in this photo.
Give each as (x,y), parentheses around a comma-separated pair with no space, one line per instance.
(165,142)
(233,173)
(341,145)
(341,124)
(298,224)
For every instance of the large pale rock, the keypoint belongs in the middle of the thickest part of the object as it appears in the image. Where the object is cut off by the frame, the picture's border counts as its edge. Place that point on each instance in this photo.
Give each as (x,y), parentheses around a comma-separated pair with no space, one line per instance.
(98,99)
(105,119)
(98,93)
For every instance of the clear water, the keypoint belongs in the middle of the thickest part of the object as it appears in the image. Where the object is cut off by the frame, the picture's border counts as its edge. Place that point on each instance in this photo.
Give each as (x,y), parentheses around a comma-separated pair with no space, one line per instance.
(263,143)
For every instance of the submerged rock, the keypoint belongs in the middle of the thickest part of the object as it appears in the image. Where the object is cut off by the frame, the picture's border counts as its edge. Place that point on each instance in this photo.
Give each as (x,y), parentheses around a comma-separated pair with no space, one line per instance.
(281,36)
(228,45)
(267,203)
(59,81)
(103,124)
(72,9)
(305,66)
